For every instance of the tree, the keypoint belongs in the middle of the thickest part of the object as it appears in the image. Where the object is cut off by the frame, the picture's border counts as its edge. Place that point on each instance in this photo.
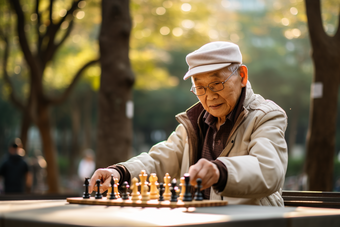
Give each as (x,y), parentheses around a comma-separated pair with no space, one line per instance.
(115,94)
(49,37)
(323,111)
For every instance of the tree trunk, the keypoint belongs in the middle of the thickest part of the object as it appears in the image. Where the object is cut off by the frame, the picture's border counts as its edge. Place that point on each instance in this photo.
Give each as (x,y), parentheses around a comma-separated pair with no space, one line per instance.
(25,125)
(74,152)
(50,154)
(323,112)
(294,117)
(87,117)
(114,134)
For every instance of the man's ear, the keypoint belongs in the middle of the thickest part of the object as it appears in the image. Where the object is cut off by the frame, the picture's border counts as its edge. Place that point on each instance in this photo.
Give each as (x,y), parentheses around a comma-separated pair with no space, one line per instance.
(244,75)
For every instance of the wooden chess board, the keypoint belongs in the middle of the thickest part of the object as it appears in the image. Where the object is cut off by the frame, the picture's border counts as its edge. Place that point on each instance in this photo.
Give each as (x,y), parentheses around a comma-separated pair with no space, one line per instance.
(150,203)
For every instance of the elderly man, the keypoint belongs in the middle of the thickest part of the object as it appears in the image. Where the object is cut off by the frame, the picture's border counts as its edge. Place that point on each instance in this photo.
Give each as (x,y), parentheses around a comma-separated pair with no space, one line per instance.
(232,138)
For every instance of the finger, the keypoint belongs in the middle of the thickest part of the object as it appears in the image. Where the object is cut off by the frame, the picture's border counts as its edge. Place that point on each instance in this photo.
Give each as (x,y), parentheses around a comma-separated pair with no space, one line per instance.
(193,171)
(94,177)
(105,185)
(212,177)
(210,182)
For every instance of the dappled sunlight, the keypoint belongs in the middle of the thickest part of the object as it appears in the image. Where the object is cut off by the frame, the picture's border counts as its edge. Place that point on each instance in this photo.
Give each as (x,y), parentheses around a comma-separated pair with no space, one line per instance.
(294,11)
(160,11)
(148,75)
(80,15)
(186,7)
(329,11)
(164,30)
(177,32)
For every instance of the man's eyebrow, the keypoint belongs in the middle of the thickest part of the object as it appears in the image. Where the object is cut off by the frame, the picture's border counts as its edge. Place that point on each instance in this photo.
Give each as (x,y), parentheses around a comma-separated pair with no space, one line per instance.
(211,75)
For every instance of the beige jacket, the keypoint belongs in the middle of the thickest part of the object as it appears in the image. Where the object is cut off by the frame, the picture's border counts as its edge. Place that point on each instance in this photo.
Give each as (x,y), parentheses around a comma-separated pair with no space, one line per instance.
(255,154)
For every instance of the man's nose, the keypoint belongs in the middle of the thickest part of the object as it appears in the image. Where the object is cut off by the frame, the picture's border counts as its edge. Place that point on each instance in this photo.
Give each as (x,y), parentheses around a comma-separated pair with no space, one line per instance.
(211,95)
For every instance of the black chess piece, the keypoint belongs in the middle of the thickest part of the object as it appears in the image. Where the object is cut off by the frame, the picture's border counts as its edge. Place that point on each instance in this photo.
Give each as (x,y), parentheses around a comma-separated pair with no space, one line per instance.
(98,195)
(198,194)
(173,189)
(125,193)
(86,194)
(161,191)
(187,194)
(112,195)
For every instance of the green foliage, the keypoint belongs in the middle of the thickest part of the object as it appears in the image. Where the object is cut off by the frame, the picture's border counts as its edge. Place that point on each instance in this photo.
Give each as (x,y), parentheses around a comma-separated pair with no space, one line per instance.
(295,167)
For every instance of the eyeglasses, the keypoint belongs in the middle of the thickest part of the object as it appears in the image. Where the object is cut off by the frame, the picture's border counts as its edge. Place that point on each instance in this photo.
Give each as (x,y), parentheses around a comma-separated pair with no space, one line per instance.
(214,86)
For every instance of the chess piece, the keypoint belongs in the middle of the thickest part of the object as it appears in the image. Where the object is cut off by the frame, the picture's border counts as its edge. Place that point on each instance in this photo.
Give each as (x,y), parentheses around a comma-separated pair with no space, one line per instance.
(167,193)
(134,187)
(182,188)
(115,188)
(86,194)
(142,177)
(112,194)
(173,190)
(153,186)
(145,195)
(98,195)
(198,193)
(125,193)
(161,191)
(187,194)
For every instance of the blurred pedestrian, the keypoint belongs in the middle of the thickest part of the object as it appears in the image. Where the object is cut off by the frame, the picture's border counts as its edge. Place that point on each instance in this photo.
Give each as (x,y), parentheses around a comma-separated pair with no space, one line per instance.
(38,166)
(14,169)
(86,165)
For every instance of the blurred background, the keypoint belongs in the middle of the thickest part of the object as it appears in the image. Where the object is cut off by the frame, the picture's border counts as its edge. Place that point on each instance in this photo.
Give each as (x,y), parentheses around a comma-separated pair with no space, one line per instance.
(272,35)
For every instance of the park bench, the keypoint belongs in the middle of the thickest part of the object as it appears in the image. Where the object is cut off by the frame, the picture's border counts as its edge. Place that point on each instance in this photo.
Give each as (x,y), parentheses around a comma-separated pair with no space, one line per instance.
(311,199)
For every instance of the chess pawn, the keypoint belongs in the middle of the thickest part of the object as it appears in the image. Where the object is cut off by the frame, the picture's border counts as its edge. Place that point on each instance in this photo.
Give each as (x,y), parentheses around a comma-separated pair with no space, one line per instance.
(135,192)
(161,191)
(182,184)
(115,189)
(125,193)
(145,195)
(142,177)
(153,186)
(173,190)
(198,194)
(167,193)
(98,195)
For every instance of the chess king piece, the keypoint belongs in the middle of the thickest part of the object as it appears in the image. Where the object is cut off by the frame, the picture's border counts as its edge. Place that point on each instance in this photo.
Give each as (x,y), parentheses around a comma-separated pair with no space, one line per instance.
(161,191)
(86,194)
(125,193)
(182,184)
(187,195)
(98,195)
(142,177)
(112,193)
(167,193)
(173,190)
(198,193)
(145,195)
(134,187)
(153,186)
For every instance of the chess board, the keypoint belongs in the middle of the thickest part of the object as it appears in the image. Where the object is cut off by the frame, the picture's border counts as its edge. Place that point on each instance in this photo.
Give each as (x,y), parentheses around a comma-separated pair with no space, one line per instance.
(150,203)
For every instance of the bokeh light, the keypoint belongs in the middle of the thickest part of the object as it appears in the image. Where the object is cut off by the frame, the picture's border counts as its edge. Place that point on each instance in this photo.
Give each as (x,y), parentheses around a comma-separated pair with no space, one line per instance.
(186,7)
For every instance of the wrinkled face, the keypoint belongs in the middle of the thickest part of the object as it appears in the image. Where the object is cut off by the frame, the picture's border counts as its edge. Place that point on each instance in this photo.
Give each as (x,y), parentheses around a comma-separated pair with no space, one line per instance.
(221,103)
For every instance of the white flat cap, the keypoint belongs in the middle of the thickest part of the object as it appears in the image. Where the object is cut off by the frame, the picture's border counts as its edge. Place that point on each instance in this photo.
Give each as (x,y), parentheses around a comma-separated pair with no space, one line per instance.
(212,56)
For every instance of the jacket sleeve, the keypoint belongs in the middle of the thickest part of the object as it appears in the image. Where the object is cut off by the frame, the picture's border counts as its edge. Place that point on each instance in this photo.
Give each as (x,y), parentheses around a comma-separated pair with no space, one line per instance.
(164,157)
(262,171)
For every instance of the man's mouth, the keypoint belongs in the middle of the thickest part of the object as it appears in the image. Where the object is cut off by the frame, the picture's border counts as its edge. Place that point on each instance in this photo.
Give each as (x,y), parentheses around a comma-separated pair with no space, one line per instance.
(215,106)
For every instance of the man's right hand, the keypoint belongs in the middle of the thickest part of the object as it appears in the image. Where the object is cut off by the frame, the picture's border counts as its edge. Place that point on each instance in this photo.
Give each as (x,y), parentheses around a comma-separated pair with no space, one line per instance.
(104,175)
